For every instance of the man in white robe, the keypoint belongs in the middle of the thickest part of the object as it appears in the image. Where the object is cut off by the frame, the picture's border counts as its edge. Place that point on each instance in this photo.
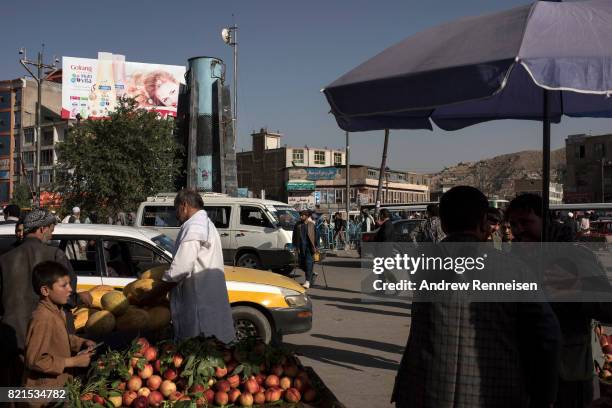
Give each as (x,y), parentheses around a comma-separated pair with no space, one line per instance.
(199,302)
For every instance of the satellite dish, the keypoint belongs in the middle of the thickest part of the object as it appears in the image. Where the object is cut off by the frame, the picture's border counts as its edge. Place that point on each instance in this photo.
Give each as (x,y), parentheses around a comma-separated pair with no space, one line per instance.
(225,34)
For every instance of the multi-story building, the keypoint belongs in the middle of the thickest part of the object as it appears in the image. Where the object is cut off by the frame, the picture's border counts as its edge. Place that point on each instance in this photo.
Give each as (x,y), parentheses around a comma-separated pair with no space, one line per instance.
(329,187)
(534,186)
(18,103)
(589,168)
(261,169)
(306,177)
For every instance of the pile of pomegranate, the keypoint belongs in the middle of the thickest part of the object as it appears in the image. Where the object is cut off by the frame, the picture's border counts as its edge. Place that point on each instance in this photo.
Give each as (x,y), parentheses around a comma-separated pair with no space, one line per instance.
(605,341)
(199,372)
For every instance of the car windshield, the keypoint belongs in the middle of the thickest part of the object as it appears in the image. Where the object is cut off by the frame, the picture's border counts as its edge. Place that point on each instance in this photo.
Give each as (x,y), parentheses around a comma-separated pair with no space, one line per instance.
(284,216)
(164,242)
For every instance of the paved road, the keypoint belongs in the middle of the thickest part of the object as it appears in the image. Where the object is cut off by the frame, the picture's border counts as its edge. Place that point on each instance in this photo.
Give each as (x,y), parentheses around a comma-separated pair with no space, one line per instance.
(355,344)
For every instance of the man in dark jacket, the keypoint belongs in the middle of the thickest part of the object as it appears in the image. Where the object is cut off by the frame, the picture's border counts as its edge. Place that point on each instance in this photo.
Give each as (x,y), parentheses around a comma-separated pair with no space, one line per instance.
(477,354)
(17,297)
(385,232)
(575,318)
(305,243)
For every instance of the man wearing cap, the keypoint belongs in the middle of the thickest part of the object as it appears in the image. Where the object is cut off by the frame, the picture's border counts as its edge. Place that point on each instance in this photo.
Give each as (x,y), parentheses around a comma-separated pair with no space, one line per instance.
(17,297)
(74,218)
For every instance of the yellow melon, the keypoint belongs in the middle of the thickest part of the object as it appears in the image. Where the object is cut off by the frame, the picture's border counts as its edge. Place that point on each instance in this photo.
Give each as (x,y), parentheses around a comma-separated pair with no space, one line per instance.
(156,272)
(115,302)
(134,318)
(100,323)
(159,317)
(145,291)
(97,293)
(81,315)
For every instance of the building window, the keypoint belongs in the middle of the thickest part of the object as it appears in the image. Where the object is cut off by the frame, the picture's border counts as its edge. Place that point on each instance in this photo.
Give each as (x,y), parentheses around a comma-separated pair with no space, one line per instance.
(28,136)
(30,176)
(319,157)
(46,176)
(600,150)
(579,152)
(298,156)
(372,173)
(401,176)
(47,137)
(339,196)
(46,157)
(28,158)
(337,159)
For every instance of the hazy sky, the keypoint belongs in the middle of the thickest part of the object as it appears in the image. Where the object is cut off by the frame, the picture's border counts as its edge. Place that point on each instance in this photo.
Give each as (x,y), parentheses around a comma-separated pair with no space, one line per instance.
(288,51)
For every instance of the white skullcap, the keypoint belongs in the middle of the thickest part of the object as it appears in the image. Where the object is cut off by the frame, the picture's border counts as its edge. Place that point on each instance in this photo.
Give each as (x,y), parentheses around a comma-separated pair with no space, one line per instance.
(76,210)
(570,214)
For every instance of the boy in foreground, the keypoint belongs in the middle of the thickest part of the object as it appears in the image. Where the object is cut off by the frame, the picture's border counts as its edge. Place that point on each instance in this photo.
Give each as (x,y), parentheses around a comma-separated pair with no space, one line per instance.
(51,351)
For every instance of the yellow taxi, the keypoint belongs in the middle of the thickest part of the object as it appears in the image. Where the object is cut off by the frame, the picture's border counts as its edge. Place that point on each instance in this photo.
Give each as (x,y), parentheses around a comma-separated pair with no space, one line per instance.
(264,304)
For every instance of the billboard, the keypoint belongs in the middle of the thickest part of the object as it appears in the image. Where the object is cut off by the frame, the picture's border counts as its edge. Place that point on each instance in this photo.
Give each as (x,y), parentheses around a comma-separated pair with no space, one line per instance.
(90,87)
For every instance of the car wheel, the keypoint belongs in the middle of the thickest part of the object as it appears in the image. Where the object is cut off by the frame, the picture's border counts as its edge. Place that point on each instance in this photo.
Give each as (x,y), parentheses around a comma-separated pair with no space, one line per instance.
(249,260)
(285,270)
(250,322)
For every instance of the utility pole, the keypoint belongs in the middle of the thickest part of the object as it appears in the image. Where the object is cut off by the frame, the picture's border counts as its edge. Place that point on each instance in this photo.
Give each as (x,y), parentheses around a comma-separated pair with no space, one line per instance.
(38,77)
(348,184)
(230,37)
(383,165)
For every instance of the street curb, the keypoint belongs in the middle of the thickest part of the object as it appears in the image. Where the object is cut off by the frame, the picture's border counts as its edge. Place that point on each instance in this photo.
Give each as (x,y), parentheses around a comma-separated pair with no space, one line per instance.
(343,254)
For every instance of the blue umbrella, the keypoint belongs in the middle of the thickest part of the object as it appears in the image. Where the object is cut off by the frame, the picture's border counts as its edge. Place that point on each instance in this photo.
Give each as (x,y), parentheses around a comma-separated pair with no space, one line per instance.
(535,62)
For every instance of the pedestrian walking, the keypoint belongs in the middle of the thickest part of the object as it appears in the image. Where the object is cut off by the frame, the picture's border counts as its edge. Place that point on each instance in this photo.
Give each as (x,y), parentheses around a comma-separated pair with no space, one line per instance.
(477,354)
(17,296)
(304,240)
(339,231)
(198,299)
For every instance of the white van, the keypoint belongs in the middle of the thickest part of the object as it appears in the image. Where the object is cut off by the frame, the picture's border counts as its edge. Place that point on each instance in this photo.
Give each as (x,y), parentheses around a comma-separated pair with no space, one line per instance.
(254,233)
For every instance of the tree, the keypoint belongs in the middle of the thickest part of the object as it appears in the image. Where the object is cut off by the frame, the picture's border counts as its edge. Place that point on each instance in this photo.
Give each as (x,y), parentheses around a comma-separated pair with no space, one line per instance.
(112,165)
(22,196)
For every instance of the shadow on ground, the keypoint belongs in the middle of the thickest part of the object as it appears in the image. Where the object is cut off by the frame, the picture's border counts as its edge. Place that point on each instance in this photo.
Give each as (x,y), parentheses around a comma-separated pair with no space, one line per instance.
(363,301)
(371,344)
(343,358)
(369,310)
(341,264)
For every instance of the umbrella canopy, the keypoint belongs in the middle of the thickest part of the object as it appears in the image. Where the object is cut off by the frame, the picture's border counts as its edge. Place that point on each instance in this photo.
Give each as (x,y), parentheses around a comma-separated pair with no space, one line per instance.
(484,68)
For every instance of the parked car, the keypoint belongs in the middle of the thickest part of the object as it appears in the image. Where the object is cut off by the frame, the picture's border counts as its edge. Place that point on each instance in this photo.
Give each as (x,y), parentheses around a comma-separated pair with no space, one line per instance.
(263,303)
(254,233)
(401,233)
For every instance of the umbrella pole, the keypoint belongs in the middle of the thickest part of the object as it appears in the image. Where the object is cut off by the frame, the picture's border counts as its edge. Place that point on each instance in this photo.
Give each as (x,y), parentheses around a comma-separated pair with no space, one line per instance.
(545,165)
(383,164)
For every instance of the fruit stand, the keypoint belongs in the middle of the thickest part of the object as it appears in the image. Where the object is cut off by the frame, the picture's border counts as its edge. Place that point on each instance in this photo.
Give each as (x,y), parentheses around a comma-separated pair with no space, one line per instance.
(199,372)
(153,371)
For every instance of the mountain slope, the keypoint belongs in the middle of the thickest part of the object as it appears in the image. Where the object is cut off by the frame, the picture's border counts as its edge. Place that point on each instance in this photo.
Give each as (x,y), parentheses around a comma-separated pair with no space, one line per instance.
(495,176)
